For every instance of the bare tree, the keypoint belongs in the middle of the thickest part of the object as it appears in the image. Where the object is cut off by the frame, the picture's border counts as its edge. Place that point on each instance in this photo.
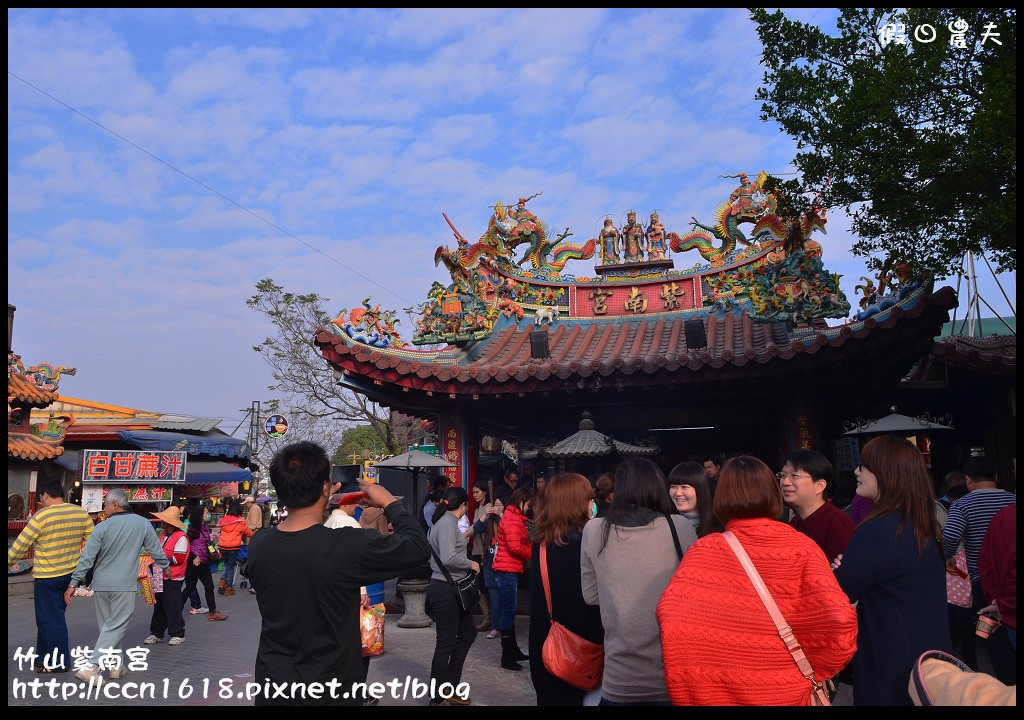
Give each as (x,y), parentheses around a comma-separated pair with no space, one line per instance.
(305,383)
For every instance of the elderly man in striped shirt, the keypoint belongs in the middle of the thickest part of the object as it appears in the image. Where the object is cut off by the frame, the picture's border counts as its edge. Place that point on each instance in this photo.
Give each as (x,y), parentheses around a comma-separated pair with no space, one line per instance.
(57,531)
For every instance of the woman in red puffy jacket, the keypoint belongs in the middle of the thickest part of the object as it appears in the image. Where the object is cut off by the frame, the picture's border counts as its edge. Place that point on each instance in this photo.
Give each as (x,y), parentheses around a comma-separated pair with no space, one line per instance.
(514,549)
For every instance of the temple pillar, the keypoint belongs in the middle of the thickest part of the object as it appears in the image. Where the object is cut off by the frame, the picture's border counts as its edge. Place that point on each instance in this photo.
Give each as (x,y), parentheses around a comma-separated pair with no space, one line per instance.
(459,439)
(800,425)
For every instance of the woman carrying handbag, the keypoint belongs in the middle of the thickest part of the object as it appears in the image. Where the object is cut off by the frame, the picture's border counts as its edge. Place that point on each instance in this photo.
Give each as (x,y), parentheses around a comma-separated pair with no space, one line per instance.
(720,617)
(456,629)
(562,511)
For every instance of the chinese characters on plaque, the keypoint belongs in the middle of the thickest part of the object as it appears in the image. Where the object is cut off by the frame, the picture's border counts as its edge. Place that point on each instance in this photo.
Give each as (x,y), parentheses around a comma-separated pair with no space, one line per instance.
(133,466)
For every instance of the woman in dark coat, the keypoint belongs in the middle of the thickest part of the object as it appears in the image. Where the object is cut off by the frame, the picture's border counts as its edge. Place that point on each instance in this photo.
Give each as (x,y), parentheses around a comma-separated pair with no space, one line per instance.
(893,569)
(562,510)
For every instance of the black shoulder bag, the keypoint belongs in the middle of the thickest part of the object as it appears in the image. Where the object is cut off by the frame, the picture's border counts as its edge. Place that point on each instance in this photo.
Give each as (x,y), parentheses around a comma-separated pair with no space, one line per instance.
(466,591)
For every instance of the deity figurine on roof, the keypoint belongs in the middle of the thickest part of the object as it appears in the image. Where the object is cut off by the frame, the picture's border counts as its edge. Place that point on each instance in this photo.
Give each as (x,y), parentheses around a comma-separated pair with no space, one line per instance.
(656,246)
(749,198)
(633,239)
(609,239)
(526,222)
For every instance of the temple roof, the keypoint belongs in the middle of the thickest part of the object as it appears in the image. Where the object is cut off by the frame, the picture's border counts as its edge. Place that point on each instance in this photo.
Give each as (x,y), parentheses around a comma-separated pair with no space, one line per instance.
(32,447)
(652,349)
(588,442)
(21,390)
(995,354)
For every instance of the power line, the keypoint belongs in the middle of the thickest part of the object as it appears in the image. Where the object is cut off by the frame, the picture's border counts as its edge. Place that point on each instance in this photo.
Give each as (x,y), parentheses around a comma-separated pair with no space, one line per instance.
(214,191)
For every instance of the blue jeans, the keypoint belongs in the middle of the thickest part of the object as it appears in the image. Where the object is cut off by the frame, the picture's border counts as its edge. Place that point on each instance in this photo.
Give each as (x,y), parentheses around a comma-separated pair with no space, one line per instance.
(508,590)
(52,628)
(495,597)
(230,557)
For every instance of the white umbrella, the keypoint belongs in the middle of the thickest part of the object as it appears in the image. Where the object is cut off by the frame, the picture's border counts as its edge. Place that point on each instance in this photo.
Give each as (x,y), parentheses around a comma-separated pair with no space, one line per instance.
(415,460)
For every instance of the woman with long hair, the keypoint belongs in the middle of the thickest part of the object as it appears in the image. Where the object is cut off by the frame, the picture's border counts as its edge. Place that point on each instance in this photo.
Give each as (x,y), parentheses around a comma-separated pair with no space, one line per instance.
(690,492)
(714,625)
(488,529)
(627,560)
(478,548)
(198,563)
(562,511)
(893,569)
(514,549)
(455,631)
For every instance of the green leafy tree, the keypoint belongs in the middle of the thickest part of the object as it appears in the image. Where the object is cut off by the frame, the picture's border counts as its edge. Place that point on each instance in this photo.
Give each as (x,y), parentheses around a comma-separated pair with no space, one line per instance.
(919,136)
(358,440)
(316,406)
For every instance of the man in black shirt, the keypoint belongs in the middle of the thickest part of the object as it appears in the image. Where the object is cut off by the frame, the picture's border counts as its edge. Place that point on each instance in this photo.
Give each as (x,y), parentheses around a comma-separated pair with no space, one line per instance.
(307,579)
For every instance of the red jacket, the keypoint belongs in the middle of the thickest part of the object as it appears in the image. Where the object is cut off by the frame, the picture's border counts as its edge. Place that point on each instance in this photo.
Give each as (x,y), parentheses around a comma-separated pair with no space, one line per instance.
(232,528)
(997,563)
(719,644)
(177,560)
(514,546)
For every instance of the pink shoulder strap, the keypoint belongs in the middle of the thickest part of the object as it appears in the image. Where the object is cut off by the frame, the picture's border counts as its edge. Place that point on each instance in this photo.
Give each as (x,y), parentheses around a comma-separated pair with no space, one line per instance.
(785,632)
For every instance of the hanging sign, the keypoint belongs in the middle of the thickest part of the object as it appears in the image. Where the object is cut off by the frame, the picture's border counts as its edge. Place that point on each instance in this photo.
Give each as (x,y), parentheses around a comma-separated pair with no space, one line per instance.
(133,466)
(277,426)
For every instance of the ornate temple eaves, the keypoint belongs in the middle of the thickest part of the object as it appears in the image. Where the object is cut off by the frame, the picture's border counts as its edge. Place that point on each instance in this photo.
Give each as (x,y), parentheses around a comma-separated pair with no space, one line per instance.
(644,351)
(31,447)
(22,391)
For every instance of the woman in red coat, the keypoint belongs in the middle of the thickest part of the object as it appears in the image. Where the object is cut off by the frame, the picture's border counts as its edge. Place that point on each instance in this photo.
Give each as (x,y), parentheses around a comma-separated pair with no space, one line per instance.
(720,646)
(514,549)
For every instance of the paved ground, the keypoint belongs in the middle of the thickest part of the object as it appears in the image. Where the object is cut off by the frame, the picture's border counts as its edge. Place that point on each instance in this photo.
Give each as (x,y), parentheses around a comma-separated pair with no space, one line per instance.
(226,650)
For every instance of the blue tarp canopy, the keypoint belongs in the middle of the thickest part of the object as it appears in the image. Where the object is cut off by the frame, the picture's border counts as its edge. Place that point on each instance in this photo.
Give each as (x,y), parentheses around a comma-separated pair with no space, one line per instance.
(223,445)
(201,473)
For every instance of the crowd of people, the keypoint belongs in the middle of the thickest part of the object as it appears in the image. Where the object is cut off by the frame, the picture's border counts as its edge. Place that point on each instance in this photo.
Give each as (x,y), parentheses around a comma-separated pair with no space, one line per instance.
(718,583)
(862,590)
(116,556)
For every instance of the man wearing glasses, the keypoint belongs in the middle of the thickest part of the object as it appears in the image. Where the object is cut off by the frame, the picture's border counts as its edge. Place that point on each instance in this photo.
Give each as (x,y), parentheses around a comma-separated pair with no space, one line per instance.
(112,552)
(805,479)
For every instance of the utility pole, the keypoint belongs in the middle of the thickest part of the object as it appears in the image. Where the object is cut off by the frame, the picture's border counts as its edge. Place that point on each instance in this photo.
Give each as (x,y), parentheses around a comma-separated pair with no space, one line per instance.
(972,315)
(254,442)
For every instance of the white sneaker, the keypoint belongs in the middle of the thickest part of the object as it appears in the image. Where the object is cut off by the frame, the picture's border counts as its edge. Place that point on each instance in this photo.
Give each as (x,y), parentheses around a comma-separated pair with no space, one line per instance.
(152,640)
(176,641)
(119,672)
(90,672)
(199,610)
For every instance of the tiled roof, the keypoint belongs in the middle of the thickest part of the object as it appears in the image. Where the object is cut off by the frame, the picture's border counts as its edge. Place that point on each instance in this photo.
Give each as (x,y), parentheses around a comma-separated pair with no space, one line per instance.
(651,346)
(32,447)
(21,389)
(996,354)
(588,442)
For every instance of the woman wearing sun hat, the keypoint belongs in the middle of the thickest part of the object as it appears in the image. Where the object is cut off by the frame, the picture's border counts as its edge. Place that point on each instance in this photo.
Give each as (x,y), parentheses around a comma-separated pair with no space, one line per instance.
(167,611)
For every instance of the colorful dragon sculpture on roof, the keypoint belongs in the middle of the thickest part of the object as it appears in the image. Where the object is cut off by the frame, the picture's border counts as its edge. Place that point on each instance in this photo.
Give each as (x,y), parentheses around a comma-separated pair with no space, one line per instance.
(507,229)
(370,326)
(749,202)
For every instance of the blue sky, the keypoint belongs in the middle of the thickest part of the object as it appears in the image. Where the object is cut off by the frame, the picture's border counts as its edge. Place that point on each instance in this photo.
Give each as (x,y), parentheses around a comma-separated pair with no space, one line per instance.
(353,130)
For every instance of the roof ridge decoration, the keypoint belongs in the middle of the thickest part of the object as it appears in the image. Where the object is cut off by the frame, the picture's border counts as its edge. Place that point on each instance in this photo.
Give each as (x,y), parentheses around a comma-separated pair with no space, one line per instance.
(774,275)
(893,276)
(34,385)
(370,326)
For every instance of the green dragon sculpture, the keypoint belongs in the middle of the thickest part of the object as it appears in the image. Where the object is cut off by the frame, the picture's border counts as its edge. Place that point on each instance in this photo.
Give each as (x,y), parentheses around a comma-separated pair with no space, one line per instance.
(750,202)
